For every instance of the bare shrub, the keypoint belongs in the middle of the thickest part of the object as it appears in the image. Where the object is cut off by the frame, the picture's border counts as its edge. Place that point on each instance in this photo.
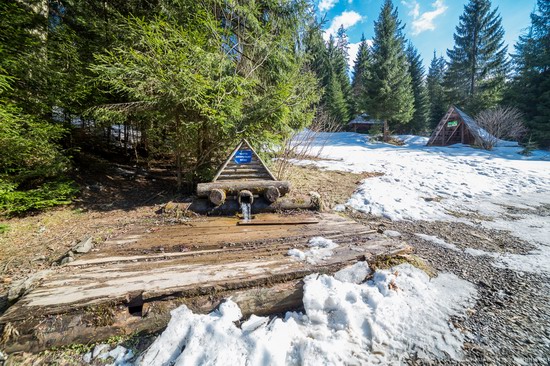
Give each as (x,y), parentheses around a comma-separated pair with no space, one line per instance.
(502,123)
(299,145)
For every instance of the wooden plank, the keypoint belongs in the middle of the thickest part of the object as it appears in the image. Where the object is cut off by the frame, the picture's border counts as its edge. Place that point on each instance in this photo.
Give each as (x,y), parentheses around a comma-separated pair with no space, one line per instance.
(227,161)
(259,222)
(258,275)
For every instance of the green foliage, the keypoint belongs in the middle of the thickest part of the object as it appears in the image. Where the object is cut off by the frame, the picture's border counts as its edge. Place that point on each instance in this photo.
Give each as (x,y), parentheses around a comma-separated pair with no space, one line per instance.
(389,85)
(203,82)
(529,147)
(436,94)
(416,68)
(360,77)
(477,66)
(530,89)
(50,194)
(4,228)
(31,163)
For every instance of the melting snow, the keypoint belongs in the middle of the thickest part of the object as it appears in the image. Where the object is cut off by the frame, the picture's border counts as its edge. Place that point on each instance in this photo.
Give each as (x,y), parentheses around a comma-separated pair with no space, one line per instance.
(398,313)
(437,183)
(320,249)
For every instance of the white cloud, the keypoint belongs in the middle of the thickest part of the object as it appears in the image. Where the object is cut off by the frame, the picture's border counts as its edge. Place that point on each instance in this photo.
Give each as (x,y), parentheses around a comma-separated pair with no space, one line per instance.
(347,19)
(425,21)
(414,7)
(326,5)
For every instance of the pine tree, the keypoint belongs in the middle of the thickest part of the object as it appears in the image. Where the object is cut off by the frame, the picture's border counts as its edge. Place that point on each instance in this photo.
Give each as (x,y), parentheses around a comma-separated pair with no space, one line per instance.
(530,90)
(360,76)
(436,94)
(340,66)
(389,83)
(477,65)
(336,93)
(416,69)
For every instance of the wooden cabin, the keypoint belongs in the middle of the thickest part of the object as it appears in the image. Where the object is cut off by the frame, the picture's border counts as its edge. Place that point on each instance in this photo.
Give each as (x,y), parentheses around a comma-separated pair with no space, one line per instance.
(456,127)
(363,123)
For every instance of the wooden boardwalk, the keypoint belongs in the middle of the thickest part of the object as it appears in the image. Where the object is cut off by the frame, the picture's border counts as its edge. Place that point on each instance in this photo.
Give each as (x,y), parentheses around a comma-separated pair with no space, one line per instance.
(134,280)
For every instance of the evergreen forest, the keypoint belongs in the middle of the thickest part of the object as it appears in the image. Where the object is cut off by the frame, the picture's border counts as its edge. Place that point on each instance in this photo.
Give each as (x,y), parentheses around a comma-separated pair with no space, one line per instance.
(181,82)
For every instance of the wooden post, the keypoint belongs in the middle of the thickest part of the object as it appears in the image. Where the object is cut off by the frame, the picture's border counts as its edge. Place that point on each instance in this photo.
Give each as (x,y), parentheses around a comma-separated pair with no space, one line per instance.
(272,194)
(217,196)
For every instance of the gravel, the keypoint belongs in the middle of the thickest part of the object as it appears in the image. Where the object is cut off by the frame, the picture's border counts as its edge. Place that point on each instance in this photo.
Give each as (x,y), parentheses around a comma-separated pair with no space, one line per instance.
(510,322)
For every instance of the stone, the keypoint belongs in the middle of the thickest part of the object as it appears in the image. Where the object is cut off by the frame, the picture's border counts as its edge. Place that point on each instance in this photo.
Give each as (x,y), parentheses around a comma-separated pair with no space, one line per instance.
(392,233)
(87,358)
(100,350)
(67,259)
(84,246)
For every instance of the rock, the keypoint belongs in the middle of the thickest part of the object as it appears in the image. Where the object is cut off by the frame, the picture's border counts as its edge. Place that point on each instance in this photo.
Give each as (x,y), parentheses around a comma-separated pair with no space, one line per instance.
(39,258)
(67,259)
(87,358)
(392,233)
(84,246)
(120,354)
(21,287)
(101,351)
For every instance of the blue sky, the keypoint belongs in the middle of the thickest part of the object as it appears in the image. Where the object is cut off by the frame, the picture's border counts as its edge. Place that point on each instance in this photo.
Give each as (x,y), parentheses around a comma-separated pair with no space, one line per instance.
(429,24)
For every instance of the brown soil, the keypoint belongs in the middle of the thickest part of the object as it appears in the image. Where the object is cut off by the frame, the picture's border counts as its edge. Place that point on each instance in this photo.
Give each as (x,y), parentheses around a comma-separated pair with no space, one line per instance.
(116,198)
(335,187)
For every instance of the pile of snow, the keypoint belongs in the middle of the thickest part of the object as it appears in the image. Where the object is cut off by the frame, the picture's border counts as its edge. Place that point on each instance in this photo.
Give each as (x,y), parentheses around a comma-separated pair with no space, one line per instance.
(320,249)
(400,312)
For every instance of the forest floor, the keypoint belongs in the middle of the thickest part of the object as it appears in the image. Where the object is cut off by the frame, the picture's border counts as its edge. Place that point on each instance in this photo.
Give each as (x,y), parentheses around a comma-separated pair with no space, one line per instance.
(114,199)
(498,243)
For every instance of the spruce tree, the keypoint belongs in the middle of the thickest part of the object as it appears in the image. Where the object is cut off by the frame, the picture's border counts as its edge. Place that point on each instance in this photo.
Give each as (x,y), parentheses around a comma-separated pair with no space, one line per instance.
(341,69)
(416,69)
(389,82)
(477,65)
(530,90)
(436,94)
(336,93)
(360,76)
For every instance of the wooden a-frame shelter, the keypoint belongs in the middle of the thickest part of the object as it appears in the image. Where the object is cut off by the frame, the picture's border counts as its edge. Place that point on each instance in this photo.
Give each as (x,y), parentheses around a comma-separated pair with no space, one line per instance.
(243,173)
(243,164)
(456,127)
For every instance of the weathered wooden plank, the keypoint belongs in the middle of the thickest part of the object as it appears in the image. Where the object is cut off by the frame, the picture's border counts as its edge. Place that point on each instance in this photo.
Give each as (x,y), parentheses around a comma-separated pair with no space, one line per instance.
(265,222)
(90,299)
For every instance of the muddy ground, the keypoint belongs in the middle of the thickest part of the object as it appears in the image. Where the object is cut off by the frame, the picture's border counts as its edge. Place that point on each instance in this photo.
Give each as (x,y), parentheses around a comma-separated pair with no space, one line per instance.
(509,325)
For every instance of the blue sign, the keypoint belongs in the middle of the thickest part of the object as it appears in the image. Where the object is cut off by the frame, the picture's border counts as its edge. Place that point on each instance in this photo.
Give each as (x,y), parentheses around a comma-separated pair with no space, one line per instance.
(243,156)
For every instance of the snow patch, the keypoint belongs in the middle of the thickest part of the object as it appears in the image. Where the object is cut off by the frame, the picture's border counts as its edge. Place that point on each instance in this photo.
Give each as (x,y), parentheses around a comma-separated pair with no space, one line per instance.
(398,313)
(320,249)
(451,183)
(438,241)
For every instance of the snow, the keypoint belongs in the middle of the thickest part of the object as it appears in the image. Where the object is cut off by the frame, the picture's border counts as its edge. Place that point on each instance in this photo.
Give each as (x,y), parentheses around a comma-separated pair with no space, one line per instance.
(400,312)
(440,183)
(320,249)
(360,317)
(438,241)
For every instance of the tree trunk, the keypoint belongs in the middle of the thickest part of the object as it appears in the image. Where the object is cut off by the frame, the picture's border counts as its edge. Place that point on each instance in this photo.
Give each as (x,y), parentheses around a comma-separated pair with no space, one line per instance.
(386,131)
(178,152)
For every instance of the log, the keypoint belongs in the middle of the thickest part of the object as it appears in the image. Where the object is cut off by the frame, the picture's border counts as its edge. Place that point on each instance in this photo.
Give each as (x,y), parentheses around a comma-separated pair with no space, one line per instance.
(232,188)
(260,205)
(272,194)
(217,196)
